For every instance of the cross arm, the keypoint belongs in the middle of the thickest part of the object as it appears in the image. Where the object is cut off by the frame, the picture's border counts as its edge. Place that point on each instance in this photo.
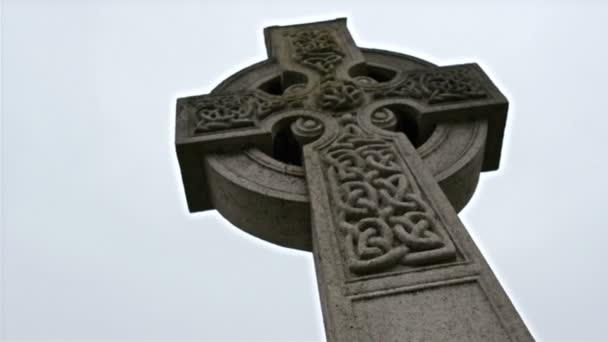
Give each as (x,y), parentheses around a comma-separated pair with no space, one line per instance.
(222,123)
(452,93)
(317,49)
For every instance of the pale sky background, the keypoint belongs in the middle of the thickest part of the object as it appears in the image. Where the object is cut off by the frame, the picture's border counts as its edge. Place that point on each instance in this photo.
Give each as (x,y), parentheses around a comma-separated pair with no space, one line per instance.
(97,243)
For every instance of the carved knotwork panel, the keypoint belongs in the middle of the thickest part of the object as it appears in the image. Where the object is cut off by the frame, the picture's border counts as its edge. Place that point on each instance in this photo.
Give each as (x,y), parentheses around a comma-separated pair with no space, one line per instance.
(385,222)
(436,86)
(210,113)
(316,49)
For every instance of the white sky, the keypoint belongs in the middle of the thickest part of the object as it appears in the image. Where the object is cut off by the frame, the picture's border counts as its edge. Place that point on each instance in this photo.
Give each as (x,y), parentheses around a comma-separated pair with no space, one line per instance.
(97,242)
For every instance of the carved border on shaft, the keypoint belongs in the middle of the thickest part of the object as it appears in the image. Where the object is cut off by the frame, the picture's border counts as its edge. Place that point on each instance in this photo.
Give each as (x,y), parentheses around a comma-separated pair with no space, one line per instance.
(412,288)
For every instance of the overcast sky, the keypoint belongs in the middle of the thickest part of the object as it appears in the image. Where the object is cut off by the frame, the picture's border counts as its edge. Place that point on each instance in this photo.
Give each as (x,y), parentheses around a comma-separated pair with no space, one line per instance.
(97,243)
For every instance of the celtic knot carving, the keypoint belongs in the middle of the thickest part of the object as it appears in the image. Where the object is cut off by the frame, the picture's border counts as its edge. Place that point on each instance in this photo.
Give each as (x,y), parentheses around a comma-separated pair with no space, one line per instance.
(380,210)
(319,50)
(338,95)
(220,112)
(437,86)
(316,49)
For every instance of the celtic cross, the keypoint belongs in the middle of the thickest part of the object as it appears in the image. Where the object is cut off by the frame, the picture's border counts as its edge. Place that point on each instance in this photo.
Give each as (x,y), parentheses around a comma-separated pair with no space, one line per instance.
(362,156)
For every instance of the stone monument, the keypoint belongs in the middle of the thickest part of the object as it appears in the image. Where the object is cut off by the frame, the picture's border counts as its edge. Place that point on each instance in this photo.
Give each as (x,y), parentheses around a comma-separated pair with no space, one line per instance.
(363,157)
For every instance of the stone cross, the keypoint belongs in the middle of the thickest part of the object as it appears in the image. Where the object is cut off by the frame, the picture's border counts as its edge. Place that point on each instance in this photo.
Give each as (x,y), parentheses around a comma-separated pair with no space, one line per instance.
(362,156)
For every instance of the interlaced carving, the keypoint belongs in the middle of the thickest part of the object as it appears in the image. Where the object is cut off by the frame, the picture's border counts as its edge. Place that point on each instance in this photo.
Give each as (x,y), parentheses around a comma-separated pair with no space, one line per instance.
(319,50)
(338,95)
(379,208)
(316,49)
(437,86)
(220,112)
